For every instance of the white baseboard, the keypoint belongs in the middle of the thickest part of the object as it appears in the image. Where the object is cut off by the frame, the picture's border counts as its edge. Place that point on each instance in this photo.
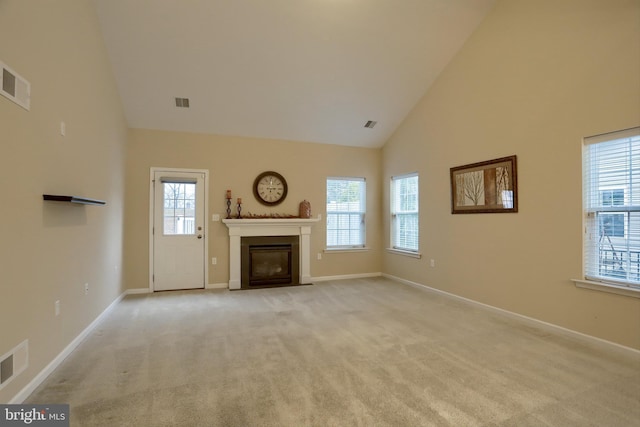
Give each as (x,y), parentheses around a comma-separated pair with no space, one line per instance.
(217,286)
(148,291)
(42,375)
(345,277)
(531,320)
(137,291)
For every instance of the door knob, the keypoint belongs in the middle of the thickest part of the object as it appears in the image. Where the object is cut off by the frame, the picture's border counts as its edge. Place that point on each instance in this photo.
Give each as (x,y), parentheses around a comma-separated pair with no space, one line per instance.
(199,236)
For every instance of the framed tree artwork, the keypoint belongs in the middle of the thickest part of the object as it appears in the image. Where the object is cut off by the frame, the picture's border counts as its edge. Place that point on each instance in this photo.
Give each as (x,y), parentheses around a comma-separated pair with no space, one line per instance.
(485,187)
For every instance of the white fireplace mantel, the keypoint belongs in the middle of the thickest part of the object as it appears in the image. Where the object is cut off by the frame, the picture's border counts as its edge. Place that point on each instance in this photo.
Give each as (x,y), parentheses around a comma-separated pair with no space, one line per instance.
(251,227)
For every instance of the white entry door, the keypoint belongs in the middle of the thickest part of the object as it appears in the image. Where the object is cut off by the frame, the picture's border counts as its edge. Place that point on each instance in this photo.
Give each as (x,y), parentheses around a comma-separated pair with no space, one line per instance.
(178,230)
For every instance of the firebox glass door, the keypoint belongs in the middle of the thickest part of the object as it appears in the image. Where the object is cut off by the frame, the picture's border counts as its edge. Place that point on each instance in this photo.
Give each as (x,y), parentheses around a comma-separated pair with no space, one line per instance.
(270,265)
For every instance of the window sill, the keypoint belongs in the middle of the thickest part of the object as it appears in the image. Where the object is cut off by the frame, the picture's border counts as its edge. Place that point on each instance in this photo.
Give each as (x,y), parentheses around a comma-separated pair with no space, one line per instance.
(340,250)
(606,287)
(405,253)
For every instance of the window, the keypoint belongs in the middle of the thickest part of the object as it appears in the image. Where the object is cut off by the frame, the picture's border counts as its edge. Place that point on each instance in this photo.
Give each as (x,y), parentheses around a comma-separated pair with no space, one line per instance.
(346,208)
(179,208)
(404,213)
(612,224)
(612,197)
(611,166)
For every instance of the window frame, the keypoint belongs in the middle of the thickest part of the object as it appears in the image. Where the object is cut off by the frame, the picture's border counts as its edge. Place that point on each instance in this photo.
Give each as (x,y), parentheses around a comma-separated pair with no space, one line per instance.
(362,212)
(395,213)
(618,177)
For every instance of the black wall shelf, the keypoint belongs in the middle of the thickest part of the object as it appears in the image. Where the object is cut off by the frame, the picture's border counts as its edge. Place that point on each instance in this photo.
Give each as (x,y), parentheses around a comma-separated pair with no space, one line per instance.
(74,199)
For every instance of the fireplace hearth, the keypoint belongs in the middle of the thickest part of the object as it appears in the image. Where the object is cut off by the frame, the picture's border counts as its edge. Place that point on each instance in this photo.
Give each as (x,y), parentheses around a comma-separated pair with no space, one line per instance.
(269,261)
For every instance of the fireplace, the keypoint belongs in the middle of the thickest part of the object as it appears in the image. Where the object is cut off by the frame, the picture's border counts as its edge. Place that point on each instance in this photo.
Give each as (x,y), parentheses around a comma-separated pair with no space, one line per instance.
(272,227)
(268,261)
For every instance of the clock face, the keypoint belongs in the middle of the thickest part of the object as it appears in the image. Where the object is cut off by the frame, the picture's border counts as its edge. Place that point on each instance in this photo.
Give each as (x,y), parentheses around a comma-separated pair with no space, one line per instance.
(270,188)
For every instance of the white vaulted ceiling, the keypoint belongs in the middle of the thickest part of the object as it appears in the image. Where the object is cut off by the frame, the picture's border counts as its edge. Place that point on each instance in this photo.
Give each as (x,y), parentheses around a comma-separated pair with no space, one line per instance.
(301,70)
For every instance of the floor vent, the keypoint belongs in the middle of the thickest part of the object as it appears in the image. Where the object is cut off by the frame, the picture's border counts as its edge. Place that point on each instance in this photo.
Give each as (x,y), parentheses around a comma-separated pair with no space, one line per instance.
(14,363)
(14,87)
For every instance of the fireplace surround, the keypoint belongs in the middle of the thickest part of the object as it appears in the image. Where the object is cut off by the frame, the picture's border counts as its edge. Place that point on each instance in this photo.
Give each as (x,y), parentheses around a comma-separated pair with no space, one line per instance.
(252,227)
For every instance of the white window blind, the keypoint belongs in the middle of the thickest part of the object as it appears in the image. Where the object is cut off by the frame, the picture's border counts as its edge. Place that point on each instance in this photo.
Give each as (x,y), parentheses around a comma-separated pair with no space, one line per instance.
(404,212)
(611,167)
(346,208)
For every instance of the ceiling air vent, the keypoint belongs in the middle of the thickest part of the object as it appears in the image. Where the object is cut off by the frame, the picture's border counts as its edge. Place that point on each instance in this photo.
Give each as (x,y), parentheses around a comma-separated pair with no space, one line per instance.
(14,87)
(182,102)
(370,124)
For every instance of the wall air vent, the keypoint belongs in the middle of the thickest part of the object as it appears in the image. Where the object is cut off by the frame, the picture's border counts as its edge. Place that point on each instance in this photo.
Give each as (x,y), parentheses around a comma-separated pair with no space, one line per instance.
(14,363)
(182,102)
(370,124)
(14,87)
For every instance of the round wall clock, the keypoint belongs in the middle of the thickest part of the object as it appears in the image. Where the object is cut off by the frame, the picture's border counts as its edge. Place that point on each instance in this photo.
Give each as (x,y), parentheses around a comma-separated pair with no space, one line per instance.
(270,188)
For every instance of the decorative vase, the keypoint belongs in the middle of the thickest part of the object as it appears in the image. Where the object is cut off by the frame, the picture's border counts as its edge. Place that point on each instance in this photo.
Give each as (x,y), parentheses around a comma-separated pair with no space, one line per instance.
(305,209)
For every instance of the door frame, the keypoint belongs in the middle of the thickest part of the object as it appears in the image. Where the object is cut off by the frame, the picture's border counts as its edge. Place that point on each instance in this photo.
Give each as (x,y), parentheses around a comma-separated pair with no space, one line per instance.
(205,225)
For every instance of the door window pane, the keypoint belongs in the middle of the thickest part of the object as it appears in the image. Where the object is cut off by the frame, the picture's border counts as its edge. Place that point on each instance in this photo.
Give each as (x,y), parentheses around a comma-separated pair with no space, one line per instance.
(179,208)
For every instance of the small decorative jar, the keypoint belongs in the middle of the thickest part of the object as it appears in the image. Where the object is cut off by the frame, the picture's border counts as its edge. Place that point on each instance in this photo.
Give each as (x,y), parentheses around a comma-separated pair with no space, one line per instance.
(305,209)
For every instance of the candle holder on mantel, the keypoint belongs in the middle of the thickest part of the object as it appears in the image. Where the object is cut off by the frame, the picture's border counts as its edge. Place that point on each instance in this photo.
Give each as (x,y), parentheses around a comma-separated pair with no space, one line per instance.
(228,207)
(239,209)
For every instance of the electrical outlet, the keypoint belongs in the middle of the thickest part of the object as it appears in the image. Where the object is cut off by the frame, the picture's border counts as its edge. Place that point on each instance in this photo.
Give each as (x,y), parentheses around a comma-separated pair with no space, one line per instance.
(433,262)
(57,307)
(215,217)
(86,289)
(214,261)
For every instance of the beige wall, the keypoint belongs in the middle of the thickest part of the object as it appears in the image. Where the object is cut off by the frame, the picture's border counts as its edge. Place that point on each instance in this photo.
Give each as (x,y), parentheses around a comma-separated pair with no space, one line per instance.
(49,250)
(535,78)
(233,163)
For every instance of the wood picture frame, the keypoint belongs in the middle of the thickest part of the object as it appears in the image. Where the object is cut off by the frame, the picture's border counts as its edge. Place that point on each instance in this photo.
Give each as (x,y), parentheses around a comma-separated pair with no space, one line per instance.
(485,187)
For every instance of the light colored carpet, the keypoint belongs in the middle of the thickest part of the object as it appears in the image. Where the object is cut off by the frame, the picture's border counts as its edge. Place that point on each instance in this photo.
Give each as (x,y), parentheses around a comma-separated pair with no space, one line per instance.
(345,353)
